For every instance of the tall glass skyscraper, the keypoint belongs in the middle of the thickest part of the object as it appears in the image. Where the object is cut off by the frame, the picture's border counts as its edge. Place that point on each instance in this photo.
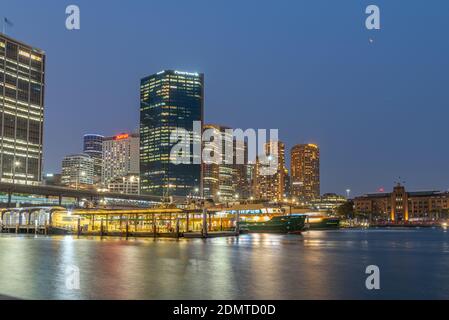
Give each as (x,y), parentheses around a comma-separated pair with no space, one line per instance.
(93,146)
(22,74)
(169,100)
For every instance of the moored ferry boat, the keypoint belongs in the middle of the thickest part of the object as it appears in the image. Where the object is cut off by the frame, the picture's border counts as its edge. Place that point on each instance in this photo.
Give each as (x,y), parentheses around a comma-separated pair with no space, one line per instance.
(279,224)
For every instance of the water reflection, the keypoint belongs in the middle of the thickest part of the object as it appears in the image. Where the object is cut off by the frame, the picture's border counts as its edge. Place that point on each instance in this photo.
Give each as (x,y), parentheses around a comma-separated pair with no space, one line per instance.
(318,265)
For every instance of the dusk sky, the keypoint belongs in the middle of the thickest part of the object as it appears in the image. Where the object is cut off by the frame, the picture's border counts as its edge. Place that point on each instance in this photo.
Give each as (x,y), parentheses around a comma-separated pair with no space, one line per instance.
(378,110)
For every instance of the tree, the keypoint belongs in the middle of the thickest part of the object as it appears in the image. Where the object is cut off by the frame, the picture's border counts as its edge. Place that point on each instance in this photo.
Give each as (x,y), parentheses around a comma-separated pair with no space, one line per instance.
(346,209)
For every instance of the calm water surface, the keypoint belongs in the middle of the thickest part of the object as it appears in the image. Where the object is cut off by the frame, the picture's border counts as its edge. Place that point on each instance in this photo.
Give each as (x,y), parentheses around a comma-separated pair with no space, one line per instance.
(316,265)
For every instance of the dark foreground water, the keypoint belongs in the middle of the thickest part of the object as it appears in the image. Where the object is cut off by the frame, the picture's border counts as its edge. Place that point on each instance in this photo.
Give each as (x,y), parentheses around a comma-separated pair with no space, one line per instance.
(318,265)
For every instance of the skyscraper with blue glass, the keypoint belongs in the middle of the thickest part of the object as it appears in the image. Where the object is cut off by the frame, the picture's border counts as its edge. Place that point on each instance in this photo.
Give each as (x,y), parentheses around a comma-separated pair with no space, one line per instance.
(93,146)
(170,100)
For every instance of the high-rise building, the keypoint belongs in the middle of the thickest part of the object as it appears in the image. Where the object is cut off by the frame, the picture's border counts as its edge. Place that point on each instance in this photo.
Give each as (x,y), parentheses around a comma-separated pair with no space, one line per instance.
(170,100)
(218,176)
(243,173)
(271,187)
(77,171)
(22,83)
(120,157)
(287,184)
(305,172)
(93,146)
(251,176)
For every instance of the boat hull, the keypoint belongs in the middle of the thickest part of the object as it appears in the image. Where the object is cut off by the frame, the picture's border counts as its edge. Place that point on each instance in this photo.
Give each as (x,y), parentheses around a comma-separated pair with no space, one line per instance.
(280,225)
(325,224)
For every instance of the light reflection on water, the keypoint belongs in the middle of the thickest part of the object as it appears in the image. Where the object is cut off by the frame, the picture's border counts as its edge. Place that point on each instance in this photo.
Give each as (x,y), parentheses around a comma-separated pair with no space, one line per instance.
(315,265)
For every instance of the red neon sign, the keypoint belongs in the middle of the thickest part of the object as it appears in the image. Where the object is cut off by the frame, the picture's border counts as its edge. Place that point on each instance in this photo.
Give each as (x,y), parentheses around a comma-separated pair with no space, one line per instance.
(121,137)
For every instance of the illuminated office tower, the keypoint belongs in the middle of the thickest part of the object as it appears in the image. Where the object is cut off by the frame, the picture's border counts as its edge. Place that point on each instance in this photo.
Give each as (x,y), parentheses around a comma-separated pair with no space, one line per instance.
(305,172)
(120,157)
(77,171)
(271,187)
(218,177)
(22,82)
(93,146)
(170,100)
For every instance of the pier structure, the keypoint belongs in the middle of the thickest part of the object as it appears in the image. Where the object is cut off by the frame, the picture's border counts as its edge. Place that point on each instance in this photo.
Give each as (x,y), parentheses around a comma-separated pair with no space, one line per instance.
(148,222)
(158,222)
(27,220)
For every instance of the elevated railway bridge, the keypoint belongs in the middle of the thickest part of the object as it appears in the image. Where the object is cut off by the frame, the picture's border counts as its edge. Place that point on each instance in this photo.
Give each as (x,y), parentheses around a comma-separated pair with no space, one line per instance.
(15,195)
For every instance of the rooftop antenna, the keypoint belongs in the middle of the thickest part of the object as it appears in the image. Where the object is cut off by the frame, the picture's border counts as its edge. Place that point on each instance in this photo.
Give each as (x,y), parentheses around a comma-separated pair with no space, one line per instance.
(6,23)
(400,181)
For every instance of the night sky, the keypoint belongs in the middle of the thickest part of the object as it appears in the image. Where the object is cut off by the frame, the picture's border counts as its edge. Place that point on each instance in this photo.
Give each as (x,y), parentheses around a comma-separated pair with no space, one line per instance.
(378,110)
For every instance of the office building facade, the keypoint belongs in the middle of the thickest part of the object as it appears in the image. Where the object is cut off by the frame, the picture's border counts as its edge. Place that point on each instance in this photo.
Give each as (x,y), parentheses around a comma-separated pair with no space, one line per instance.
(170,100)
(22,87)
(77,171)
(218,176)
(129,184)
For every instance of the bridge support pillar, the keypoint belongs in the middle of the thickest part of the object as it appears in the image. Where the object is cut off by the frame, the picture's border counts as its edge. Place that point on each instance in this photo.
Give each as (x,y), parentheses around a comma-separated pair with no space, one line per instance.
(237,223)
(204,231)
(9,199)
(79,227)
(154,225)
(127,228)
(29,221)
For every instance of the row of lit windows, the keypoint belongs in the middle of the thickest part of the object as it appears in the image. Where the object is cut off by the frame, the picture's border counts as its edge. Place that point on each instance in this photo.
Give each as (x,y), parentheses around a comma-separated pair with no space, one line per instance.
(22,103)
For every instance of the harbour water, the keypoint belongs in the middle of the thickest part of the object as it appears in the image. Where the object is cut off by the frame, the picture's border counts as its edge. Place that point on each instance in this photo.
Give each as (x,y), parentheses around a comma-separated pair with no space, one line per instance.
(316,265)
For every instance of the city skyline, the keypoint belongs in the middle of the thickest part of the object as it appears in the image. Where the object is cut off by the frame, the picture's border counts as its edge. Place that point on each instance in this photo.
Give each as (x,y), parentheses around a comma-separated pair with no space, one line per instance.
(357,146)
